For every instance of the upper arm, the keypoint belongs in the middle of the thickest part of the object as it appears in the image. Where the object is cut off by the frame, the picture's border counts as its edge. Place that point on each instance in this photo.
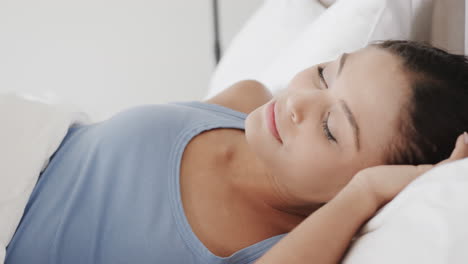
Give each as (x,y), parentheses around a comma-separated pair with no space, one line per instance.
(243,96)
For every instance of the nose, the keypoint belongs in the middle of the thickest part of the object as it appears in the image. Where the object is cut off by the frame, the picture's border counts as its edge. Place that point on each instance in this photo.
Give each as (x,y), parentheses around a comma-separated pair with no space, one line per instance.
(300,104)
(295,106)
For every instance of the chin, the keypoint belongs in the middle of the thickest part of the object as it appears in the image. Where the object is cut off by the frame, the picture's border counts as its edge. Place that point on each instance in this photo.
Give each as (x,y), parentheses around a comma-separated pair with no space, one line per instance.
(250,125)
(254,129)
(257,136)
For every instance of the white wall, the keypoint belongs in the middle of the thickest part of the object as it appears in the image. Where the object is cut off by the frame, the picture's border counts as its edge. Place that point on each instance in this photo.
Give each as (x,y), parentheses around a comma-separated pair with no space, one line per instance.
(233,14)
(108,55)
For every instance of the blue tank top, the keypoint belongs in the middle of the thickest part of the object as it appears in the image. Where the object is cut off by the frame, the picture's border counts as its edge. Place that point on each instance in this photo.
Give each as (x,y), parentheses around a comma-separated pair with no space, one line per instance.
(110,193)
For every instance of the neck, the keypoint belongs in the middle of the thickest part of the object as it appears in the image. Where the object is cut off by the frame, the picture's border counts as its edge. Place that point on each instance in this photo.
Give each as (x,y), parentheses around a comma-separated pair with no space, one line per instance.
(251,186)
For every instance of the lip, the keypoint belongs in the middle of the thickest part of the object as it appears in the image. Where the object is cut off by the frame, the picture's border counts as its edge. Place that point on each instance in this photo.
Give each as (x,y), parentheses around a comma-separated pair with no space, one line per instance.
(271,120)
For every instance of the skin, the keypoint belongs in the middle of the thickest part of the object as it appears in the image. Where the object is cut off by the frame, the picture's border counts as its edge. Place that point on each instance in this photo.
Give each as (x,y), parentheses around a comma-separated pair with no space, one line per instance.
(271,186)
(324,236)
(307,169)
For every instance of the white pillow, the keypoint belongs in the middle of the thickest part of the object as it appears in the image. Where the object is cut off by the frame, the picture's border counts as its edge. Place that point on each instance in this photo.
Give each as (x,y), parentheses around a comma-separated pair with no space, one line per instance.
(345,26)
(425,223)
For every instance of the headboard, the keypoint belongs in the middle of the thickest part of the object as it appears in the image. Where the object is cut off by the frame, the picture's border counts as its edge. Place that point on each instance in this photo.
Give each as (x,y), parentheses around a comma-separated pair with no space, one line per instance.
(449,25)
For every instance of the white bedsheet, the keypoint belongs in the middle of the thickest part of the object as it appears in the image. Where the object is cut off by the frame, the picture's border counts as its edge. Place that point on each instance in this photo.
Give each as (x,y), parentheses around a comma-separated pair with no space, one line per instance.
(30,132)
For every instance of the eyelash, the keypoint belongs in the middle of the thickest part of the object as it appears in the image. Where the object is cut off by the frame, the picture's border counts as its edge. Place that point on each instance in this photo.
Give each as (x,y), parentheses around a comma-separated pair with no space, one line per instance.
(320,73)
(327,130)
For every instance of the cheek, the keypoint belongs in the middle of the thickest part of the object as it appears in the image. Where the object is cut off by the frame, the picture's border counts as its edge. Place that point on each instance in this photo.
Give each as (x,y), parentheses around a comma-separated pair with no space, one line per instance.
(308,146)
(311,155)
(307,157)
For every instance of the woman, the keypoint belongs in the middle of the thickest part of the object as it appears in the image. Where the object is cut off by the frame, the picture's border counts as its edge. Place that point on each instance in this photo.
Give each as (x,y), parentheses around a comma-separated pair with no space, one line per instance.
(224,180)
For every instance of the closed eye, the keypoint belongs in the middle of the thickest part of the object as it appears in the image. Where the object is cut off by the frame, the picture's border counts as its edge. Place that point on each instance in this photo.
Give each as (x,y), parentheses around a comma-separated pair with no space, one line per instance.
(326,130)
(320,74)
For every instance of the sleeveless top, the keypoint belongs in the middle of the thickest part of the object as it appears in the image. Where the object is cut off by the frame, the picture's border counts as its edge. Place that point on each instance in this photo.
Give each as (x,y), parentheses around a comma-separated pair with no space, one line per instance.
(111,193)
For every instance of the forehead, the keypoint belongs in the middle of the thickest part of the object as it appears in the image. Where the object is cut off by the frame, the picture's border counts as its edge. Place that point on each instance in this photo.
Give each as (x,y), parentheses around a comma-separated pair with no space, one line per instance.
(373,84)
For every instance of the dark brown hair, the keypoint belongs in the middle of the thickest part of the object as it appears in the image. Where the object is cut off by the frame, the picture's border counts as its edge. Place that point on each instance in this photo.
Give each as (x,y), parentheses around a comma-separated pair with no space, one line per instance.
(436,112)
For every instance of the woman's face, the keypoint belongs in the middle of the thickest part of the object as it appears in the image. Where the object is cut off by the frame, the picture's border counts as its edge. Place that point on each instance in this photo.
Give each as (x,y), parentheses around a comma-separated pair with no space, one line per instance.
(358,101)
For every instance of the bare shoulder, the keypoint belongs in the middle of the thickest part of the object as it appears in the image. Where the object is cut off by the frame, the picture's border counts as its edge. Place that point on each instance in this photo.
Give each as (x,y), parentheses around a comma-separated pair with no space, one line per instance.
(243,96)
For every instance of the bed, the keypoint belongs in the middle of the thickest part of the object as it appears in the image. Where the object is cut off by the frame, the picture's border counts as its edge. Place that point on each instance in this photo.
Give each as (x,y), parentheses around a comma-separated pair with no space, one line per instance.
(425,223)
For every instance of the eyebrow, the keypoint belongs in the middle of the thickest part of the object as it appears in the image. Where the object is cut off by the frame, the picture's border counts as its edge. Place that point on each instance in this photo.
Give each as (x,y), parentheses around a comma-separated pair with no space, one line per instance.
(349,115)
(342,62)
